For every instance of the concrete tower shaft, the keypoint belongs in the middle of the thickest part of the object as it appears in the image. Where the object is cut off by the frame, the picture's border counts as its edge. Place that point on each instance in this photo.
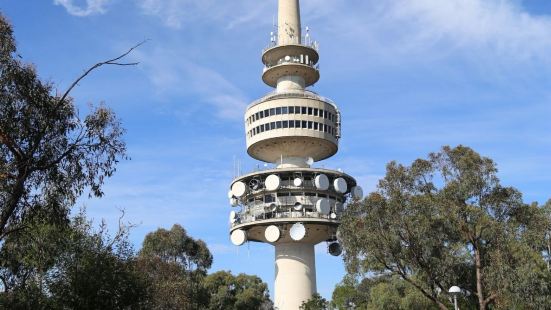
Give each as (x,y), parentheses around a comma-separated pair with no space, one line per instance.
(288,20)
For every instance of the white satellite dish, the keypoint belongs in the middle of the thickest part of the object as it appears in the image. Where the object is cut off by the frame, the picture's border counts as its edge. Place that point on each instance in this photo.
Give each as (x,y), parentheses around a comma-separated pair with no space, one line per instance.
(233,217)
(322,206)
(333,216)
(357,192)
(273,207)
(297,182)
(272,233)
(322,182)
(340,185)
(287,58)
(272,182)
(297,232)
(309,161)
(238,189)
(230,194)
(297,206)
(238,237)
(339,207)
(234,202)
(335,249)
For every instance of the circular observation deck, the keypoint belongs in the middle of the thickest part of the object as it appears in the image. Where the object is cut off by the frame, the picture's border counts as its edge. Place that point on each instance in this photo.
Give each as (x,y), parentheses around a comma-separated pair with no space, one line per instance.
(291,60)
(292,124)
(313,197)
(273,54)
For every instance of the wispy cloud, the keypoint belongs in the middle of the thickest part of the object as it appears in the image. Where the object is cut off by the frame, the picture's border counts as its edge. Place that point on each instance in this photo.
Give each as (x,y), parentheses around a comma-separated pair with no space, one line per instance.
(173,75)
(177,13)
(92,7)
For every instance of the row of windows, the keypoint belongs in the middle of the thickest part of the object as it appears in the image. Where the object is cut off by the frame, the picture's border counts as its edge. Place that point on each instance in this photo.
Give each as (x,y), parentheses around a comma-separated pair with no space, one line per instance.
(292,110)
(292,124)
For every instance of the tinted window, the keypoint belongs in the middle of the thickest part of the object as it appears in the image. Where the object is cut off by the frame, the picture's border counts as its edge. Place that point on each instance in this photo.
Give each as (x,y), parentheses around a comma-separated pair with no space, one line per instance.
(315,126)
(261,114)
(309,125)
(304,124)
(272,125)
(278,124)
(278,111)
(315,112)
(285,124)
(303,110)
(310,111)
(284,110)
(325,114)
(266,113)
(297,124)
(291,124)
(272,112)
(291,110)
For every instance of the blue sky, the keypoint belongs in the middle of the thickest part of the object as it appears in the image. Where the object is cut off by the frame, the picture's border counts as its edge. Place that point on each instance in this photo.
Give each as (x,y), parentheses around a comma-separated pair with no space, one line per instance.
(408,76)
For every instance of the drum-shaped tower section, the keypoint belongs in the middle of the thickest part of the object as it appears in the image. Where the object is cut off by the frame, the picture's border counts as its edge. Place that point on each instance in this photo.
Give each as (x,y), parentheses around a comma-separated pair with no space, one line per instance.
(293,206)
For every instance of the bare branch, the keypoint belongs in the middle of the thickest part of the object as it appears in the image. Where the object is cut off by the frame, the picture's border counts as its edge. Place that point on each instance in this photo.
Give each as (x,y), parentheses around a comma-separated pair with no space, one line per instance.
(113,61)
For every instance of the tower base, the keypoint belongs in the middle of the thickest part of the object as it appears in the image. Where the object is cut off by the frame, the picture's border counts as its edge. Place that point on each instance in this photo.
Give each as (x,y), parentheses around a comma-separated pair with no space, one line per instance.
(295,275)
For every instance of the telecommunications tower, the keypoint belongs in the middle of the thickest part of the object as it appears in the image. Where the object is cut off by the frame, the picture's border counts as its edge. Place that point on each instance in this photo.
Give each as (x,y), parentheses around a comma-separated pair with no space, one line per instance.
(293,206)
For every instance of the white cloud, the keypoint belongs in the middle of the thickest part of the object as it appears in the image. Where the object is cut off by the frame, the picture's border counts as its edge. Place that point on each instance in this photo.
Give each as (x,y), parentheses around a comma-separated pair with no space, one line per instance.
(92,7)
(176,13)
(481,29)
(173,75)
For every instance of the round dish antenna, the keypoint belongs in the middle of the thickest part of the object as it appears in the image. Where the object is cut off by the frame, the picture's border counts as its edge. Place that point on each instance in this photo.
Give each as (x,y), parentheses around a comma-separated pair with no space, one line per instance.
(297,182)
(357,192)
(339,207)
(233,217)
(272,182)
(238,189)
(323,207)
(297,206)
(340,185)
(310,161)
(335,249)
(273,207)
(297,231)
(333,216)
(238,237)
(322,182)
(272,233)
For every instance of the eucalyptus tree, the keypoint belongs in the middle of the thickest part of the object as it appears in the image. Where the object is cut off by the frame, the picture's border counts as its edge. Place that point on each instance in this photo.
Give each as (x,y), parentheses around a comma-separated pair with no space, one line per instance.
(49,153)
(446,220)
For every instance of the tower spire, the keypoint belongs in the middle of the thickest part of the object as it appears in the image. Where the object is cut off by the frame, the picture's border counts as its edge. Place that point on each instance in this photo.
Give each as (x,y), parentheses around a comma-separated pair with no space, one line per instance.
(288,18)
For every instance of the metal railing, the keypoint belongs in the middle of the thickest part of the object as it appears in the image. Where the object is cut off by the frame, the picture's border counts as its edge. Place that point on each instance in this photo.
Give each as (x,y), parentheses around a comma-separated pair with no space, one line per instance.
(245,218)
(305,40)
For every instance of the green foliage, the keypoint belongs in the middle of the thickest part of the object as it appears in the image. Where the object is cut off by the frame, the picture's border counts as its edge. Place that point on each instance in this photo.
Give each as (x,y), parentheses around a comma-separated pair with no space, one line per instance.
(174,266)
(447,221)
(175,246)
(69,267)
(315,303)
(48,154)
(236,292)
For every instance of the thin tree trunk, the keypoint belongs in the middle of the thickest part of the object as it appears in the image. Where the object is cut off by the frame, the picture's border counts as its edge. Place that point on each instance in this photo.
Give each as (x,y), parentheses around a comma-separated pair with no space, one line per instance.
(478,266)
(13,201)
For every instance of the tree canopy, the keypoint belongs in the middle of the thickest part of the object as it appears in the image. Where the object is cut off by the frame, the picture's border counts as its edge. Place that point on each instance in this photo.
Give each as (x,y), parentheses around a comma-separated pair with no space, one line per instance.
(446,220)
(48,154)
